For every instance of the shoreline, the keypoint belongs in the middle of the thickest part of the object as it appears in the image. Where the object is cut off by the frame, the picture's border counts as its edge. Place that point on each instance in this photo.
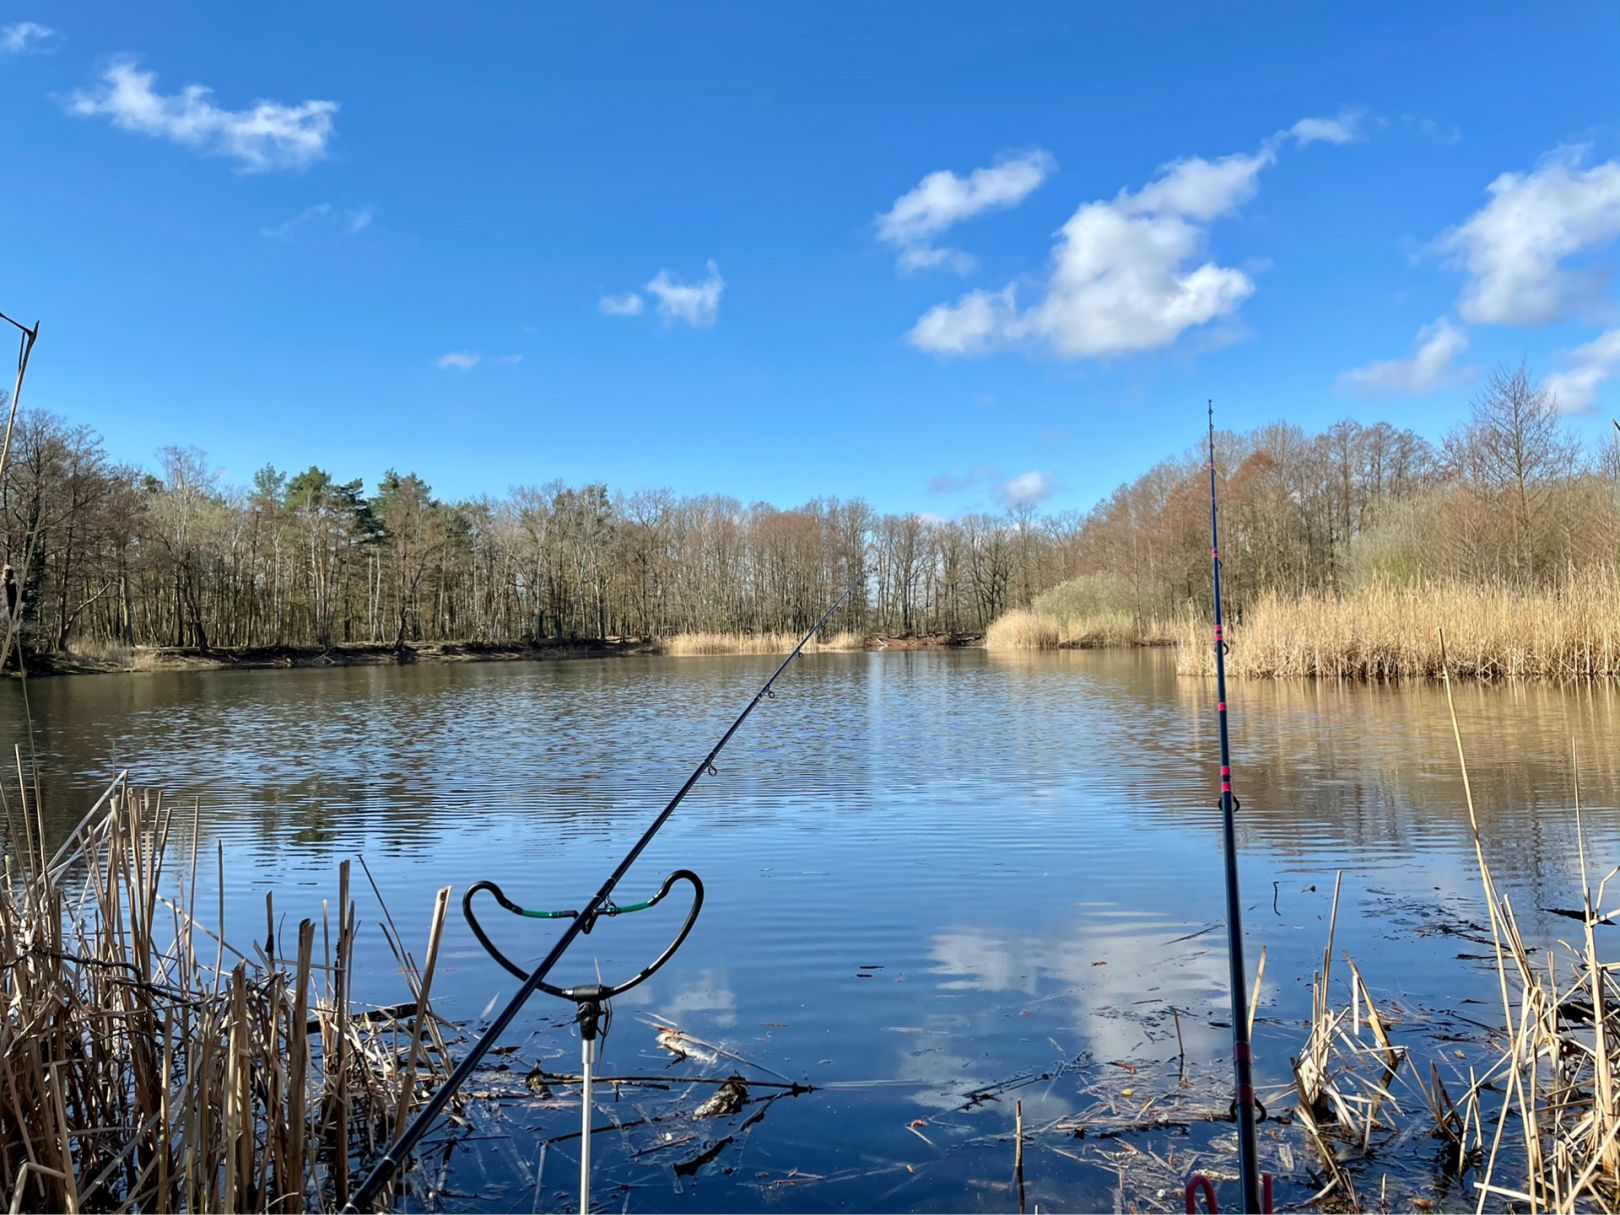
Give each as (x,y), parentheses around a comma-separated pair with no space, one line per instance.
(144,660)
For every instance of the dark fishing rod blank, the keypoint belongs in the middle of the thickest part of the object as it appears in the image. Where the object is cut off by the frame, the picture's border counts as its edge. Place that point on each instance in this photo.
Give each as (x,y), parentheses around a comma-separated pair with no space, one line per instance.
(389,1163)
(1244,1105)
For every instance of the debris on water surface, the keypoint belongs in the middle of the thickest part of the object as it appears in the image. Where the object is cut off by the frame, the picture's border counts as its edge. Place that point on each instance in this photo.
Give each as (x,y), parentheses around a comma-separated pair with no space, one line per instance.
(686,1168)
(682,1047)
(727,1100)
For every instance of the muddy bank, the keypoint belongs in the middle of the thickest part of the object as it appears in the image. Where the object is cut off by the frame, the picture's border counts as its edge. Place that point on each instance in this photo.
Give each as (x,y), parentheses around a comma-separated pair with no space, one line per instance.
(348,654)
(925,641)
(247,658)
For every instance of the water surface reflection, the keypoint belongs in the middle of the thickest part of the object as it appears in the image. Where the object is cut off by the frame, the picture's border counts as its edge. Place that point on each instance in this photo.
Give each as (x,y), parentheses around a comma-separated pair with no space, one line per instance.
(1020,851)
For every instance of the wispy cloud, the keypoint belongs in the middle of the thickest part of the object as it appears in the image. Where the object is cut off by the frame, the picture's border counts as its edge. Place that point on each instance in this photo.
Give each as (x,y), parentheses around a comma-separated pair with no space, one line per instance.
(466,360)
(25,37)
(1032,487)
(696,304)
(957,483)
(1444,134)
(265,135)
(1515,248)
(1344,129)
(1027,489)
(914,258)
(1432,367)
(1575,387)
(628,304)
(943,199)
(323,216)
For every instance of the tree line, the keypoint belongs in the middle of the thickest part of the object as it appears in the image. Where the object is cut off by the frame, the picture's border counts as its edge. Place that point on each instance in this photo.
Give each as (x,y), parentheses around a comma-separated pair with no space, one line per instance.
(1507,497)
(174,557)
(107,552)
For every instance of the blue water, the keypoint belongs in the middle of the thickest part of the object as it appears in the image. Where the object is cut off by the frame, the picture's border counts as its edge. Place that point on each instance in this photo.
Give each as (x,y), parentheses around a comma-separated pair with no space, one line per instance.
(939,870)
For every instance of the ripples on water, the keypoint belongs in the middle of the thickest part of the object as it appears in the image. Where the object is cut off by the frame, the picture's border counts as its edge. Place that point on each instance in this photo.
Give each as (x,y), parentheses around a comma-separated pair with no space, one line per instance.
(1015,840)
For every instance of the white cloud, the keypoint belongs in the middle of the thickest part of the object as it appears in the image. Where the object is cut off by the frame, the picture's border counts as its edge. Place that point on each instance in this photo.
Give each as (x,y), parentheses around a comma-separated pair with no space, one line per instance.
(1575,388)
(1127,275)
(1340,130)
(1199,189)
(628,304)
(266,135)
(942,199)
(466,360)
(1514,248)
(1032,488)
(27,36)
(347,222)
(978,323)
(1432,367)
(698,304)
(927,257)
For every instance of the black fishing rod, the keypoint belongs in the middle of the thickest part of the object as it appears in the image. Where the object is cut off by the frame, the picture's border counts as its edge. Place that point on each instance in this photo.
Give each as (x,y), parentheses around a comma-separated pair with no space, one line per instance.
(1244,1104)
(583,921)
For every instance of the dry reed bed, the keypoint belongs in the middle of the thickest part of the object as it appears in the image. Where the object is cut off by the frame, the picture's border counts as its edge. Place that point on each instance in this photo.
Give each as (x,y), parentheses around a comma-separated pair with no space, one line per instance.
(689,644)
(146,1064)
(1037,629)
(1537,1122)
(1385,633)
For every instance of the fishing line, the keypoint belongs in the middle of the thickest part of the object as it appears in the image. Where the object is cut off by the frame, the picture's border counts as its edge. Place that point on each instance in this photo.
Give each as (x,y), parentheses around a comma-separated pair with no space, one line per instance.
(591,997)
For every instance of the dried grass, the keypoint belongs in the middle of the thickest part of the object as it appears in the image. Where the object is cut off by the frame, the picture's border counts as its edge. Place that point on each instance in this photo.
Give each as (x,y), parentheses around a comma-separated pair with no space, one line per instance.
(146,1064)
(689,644)
(103,652)
(1038,629)
(1567,632)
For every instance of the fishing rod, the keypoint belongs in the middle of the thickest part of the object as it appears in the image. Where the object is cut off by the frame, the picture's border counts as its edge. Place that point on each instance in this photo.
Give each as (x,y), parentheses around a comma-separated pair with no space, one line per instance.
(583,921)
(1244,1104)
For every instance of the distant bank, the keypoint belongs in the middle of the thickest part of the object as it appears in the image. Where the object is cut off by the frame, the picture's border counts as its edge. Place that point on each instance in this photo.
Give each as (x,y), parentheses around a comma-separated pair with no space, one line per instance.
(104,659)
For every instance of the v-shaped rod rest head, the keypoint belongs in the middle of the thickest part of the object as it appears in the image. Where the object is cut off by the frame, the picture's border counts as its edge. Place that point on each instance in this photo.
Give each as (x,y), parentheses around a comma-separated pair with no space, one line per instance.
(595,992)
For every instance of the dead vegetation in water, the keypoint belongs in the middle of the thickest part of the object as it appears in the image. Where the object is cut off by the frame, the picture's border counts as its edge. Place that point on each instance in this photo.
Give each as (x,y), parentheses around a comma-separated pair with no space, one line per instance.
(1566,632)
(1534,1122)
(147,1064)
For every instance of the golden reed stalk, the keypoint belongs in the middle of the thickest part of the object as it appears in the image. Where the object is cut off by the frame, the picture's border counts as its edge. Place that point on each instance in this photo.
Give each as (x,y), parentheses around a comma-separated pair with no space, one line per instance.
(146,1064)
(1566,632)
(690,644)
(1037,629)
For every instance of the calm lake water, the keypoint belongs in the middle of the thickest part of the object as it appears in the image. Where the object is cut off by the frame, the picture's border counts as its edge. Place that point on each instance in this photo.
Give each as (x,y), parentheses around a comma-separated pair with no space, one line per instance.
(942,870)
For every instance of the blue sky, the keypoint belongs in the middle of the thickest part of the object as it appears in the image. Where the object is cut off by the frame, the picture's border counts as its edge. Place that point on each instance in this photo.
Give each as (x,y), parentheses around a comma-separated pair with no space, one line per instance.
(926,254)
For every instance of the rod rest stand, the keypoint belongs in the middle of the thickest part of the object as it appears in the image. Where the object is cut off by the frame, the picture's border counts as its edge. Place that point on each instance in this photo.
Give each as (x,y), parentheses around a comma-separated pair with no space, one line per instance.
(594,994)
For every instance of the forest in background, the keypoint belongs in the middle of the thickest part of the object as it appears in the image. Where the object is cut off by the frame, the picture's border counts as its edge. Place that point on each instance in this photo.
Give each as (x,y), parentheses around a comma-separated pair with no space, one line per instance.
(106,552)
